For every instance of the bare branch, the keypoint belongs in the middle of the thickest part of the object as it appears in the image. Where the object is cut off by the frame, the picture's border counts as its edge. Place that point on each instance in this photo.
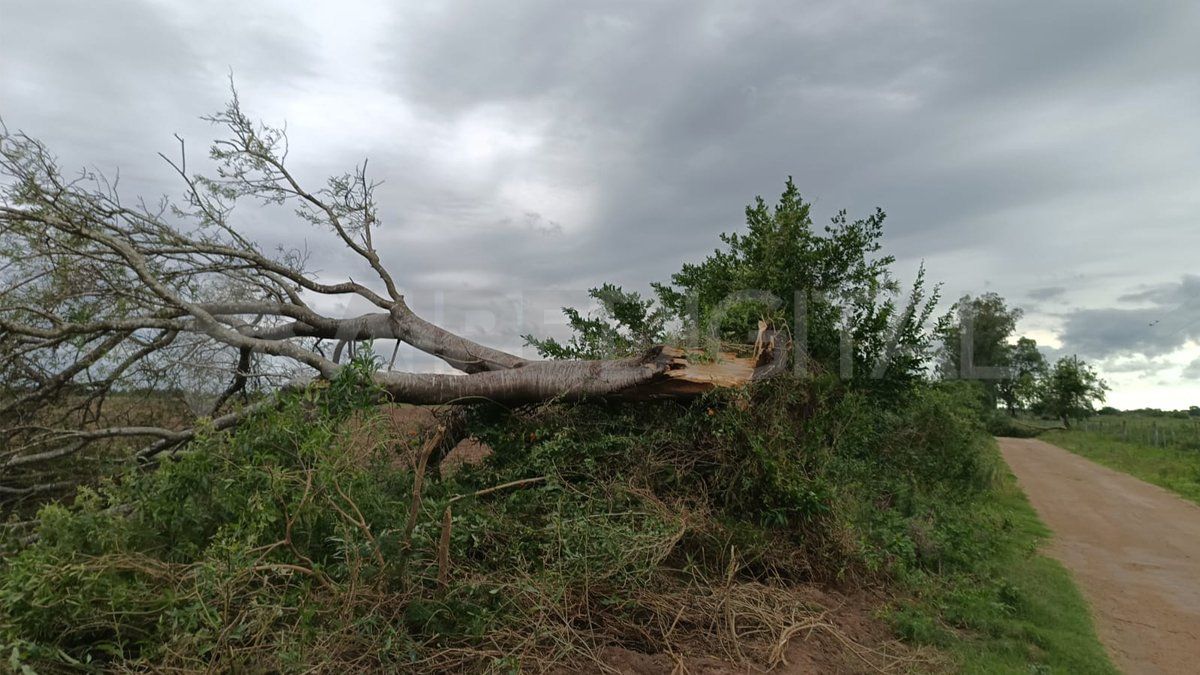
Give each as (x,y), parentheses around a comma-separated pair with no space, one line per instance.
(125,326)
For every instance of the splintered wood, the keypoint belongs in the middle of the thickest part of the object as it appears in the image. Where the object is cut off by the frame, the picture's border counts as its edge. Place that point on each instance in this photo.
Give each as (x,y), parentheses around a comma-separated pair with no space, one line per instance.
(688,372)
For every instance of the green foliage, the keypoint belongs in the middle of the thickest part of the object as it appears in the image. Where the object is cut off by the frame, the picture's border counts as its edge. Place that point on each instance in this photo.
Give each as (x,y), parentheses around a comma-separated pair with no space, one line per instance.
(1005,425)
(1156,412)
(1070,389)
(272,547)
(624,324)
(1027,368)
(977,339)
(998,605)
(828,286)
(779,255)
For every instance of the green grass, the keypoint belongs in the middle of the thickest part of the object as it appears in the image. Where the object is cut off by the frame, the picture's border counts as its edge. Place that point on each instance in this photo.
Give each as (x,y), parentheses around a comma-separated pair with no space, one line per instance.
(1173,468)
(1159,431)
(1009,609)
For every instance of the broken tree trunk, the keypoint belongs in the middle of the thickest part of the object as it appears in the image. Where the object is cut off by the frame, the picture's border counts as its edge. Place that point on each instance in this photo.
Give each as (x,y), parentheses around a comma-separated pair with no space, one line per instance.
(661,372)
(104,295)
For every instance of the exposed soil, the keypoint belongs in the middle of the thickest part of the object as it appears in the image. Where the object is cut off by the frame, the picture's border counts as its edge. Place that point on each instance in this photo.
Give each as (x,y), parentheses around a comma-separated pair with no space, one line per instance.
(468,452)
(400,433)
(1133,547)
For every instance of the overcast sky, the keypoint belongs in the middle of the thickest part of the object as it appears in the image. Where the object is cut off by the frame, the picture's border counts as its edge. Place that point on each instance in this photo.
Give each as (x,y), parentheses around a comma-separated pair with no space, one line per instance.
(1049,151)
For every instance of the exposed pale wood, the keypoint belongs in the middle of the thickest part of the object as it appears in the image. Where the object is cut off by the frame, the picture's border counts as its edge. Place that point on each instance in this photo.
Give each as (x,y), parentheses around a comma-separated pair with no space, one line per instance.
(103,294)
(660,372)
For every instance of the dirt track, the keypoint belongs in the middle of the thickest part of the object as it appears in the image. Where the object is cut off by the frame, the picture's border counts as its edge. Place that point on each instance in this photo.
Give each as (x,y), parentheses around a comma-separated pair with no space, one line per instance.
(1133,547)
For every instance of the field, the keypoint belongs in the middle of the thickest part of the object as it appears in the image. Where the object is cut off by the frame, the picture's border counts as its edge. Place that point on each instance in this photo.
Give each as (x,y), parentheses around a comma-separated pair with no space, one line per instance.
(1146,430)
(1162,451)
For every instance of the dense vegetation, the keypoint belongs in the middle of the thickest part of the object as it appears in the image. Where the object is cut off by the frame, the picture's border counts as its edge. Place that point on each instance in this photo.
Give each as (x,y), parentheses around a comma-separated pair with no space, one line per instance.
(1006,609)
(620,525)
(662,527)
(830,289)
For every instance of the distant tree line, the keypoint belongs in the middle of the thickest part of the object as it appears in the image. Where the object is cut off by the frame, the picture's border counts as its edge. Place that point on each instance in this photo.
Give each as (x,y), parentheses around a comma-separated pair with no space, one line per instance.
(977,345)
(1190,412)
(833,291)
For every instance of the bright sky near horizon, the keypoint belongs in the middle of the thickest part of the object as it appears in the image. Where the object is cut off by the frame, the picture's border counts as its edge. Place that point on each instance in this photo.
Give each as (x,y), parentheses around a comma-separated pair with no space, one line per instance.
(1046,151)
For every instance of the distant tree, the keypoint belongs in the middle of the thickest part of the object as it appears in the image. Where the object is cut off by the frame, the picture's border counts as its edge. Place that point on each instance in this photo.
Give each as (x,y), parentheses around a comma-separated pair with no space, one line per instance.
(1194,411)
(1109,410)
(1070,389)
(1026,368)
(976,338)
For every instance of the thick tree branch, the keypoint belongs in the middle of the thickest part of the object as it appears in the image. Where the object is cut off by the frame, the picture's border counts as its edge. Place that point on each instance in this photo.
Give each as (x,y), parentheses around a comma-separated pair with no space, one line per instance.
(156,305)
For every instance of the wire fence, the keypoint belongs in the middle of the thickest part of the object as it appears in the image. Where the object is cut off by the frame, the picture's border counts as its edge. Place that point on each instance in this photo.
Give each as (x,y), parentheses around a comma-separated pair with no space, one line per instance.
(1158,432)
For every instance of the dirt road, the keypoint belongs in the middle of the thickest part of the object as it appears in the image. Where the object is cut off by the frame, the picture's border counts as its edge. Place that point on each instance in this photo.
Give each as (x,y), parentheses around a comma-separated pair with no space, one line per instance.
(1133,548)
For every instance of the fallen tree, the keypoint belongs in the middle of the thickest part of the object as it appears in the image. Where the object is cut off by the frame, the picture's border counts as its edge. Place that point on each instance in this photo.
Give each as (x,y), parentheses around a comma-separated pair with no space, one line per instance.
(101,296)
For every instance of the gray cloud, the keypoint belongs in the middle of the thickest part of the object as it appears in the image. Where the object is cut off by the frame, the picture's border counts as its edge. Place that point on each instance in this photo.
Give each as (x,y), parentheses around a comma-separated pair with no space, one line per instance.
(1146,367)
(1185,294)
(986,131)
(1170,320)
(1107,332)
(1047,292)
(1192,370)
(85,75)
(535,144)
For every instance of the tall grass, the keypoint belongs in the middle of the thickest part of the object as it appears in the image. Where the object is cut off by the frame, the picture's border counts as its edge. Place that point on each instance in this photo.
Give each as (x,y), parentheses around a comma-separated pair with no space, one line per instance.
(1181,433)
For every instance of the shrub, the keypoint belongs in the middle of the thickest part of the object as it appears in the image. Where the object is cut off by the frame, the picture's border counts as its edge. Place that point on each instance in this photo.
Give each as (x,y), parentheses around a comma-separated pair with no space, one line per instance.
(590,525)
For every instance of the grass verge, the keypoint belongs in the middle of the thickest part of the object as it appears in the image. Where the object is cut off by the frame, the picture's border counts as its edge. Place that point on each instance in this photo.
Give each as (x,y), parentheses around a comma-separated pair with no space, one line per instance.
(1010,609)
(1174,469)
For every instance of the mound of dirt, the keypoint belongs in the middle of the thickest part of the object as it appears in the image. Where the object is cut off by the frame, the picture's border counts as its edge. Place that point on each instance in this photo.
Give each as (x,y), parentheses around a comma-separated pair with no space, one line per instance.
(468,452)
(400,431)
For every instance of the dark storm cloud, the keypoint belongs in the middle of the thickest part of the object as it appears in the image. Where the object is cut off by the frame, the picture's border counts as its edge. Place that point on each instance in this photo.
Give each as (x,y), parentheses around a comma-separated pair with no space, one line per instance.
(1105,332)
(107,84)
(990,132)
(84,75)
(1048,147)
(1168,319)
(684,111)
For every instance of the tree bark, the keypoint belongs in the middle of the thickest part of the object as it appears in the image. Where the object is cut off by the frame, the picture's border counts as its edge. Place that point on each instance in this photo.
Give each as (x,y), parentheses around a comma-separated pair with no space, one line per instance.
(103,294)
(661,372)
